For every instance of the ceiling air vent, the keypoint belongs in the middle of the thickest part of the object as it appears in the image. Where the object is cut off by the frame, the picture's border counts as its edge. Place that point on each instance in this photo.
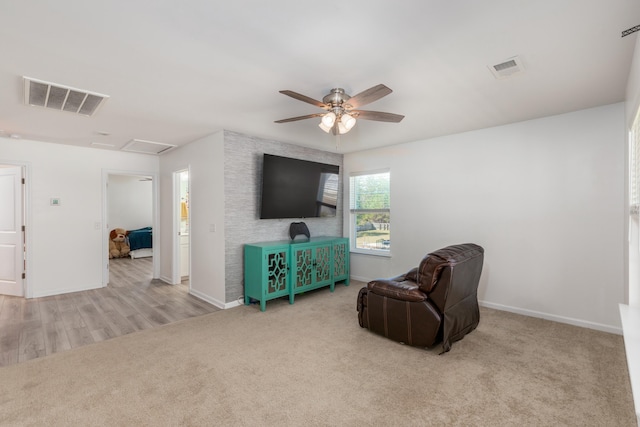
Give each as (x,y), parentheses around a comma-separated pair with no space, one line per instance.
(507,68)
(64,98)
(147,147)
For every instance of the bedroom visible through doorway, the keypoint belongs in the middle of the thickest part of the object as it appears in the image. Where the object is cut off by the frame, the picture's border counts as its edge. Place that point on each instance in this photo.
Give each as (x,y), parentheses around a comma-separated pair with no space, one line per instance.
(130,211)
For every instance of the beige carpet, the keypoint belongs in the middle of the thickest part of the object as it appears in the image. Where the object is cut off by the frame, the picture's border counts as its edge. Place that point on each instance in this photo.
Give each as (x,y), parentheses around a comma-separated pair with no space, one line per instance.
(311,364)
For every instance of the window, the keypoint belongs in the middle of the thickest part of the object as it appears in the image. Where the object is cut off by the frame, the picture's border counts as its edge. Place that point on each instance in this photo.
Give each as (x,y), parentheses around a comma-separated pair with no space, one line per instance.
(370,204)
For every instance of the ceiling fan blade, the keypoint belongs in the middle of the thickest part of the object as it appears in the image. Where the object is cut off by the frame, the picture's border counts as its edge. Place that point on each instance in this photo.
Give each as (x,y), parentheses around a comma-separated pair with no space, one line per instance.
(369,95)
(294,119)
(378,116)
(304,98)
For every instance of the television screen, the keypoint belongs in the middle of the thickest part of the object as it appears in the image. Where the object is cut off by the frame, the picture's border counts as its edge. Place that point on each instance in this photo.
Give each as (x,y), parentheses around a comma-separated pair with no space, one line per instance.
(293,188)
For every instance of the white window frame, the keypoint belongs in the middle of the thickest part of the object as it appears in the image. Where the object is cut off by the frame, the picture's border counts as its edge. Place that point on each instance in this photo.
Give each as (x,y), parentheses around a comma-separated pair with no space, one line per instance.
(354,212)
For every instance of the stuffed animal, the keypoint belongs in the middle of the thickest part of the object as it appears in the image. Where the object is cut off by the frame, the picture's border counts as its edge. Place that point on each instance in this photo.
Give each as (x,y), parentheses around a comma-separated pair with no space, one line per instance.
(118,246)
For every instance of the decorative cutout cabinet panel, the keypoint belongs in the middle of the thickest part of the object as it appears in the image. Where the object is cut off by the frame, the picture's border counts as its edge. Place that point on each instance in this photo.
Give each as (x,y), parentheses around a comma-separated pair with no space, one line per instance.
(276,269)
(266,272)
(341,260)
(311,266)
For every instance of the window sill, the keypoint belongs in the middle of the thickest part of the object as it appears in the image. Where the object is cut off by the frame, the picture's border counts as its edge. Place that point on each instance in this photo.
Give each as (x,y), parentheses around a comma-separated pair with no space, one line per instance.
(371,252)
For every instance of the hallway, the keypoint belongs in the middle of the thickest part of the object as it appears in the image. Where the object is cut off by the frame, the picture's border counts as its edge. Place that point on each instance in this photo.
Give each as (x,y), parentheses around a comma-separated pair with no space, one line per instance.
(31,328)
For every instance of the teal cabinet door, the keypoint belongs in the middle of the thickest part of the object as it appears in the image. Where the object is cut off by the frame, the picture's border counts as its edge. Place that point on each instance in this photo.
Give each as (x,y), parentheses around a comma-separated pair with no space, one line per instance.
(276,270)
(266,273)
(311,266)
(341,260)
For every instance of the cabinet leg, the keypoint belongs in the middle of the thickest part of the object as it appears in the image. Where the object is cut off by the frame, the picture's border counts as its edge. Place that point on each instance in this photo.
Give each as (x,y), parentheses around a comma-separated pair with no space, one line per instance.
(247,300)
(263,305)
(290,298)
(332,287)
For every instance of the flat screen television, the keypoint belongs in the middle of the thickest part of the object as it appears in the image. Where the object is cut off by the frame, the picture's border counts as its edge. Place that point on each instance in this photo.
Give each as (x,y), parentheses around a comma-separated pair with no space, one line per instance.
(293,188)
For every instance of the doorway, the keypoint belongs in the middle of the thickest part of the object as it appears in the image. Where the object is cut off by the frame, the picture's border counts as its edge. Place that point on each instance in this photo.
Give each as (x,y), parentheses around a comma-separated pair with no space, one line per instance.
(182,221)
(130,202)
(12,230)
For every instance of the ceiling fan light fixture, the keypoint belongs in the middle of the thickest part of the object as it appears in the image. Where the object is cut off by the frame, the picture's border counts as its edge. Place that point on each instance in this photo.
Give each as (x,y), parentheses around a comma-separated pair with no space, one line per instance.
(342,110)
(324,127)
(348,121)
(329,119)
(342,129)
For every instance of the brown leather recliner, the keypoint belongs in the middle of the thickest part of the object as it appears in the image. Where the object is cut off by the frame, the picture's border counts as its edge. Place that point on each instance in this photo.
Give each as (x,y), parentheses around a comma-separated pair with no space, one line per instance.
(435,302)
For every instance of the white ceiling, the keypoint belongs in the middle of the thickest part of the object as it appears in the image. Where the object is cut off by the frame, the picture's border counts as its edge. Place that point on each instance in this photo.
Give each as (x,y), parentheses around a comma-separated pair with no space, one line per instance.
(177,71)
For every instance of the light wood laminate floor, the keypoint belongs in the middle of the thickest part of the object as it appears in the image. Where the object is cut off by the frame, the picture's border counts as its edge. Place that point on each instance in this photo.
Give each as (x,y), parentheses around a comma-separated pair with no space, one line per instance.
(132,301)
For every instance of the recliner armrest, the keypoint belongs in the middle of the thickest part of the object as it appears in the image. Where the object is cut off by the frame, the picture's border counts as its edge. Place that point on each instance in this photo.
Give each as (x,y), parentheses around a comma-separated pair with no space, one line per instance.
(411,276)
(405,290)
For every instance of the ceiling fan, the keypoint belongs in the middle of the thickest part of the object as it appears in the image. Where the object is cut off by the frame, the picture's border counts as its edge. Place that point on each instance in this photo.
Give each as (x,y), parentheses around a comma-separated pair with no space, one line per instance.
(341,109)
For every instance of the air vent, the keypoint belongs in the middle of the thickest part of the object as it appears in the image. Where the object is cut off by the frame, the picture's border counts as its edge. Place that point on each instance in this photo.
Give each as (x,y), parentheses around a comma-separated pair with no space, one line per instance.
(64,98)
(507,68)
(147,147)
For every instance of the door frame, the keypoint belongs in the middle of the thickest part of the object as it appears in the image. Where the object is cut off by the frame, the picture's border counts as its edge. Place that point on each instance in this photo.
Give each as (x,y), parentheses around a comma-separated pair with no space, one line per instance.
(176,278)
(155,188)
(26,217)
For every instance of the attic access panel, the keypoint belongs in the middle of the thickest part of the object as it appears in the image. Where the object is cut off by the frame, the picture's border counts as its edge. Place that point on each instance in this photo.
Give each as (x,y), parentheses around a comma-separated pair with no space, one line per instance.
(147,147)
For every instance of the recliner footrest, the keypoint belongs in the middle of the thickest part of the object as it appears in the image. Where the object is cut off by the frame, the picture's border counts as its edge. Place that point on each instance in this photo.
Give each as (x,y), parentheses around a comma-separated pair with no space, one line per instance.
(414,323)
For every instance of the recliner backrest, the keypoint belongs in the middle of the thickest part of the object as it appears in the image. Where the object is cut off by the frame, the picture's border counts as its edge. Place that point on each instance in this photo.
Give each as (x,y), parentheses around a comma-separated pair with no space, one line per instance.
(458,265)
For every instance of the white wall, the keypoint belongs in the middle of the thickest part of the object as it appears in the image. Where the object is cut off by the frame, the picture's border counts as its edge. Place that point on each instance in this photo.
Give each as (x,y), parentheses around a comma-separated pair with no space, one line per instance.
(633,86)
(205,160)
(65,247)
(130,202)
(633,227)
(545,198)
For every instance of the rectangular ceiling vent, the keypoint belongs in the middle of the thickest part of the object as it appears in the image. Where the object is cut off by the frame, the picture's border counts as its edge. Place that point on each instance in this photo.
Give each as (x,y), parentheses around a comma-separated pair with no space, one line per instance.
(147,147)
(507,68)
(64,98)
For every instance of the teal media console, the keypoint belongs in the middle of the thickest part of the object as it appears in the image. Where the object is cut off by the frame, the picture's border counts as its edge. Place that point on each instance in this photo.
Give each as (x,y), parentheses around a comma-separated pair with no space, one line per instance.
(289,267)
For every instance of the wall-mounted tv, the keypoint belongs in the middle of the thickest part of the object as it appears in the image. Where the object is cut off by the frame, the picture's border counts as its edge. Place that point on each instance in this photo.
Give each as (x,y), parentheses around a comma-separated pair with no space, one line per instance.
(293,188)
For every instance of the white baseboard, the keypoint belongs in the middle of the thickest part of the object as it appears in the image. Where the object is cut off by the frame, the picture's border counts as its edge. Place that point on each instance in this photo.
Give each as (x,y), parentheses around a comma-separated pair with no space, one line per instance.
(236,303)
(63,291)
(216,302)
(207,298)
(553,317)
(360,279)
(166,279)
(538,314)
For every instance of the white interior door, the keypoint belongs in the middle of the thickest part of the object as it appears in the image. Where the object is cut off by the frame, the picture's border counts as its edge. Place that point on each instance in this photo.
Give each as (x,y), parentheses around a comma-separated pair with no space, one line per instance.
(11,236)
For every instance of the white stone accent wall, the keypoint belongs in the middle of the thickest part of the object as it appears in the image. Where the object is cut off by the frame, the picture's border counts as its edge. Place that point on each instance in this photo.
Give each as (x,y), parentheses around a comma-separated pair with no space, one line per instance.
(242,186)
